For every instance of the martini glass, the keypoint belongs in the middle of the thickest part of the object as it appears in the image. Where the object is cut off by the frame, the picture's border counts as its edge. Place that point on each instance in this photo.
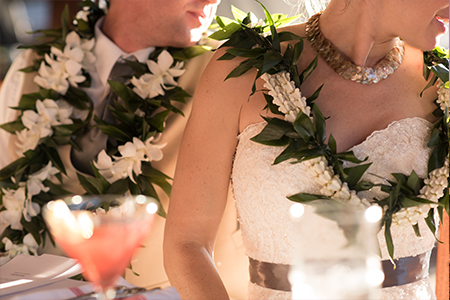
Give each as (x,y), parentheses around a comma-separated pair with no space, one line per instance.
(102,232)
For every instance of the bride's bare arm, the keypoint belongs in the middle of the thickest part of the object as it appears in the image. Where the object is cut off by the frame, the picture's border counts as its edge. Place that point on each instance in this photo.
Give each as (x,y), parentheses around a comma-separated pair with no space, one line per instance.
(201,182)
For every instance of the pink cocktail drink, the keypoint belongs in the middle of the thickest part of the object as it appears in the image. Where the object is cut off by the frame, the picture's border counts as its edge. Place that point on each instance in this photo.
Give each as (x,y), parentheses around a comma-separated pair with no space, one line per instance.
(108,252)
(102,232)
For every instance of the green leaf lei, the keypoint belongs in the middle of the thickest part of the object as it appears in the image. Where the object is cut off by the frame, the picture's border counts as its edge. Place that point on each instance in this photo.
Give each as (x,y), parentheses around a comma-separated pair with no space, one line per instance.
(304,136)
(29,182)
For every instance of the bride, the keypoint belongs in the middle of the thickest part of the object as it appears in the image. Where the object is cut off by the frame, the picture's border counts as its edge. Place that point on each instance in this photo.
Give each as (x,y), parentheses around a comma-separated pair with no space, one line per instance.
(384,117)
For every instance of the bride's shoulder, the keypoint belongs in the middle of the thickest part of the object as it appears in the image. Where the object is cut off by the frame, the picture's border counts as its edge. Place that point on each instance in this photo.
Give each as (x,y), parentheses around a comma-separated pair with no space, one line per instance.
(298,29)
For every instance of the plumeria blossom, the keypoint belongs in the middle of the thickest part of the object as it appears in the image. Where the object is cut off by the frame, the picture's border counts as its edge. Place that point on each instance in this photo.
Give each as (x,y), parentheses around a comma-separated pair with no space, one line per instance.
(162,74)
(288,98)
(130,161)
(29,245)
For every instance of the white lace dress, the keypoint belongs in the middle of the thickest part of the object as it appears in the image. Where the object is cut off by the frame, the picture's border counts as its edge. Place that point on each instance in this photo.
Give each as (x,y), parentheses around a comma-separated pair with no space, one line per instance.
(260,190)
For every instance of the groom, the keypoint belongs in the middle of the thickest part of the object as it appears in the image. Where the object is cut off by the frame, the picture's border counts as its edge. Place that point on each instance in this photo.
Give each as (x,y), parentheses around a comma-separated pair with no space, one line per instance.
(129,28)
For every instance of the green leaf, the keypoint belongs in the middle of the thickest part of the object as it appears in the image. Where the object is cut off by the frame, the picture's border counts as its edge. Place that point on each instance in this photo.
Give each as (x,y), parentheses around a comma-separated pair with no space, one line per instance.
(413,201)
(304,126)
(271,106)
(32,227)
(306,154)
(120,89)
(414,182)
(274,130)
(309,69)
(314,96)
(437,157)
(288,36)
(13,126)
(388,237)
(249,53)
(271,59)
(319,125)
(90,185)
(291,150)
(149,171)
(54,157)
(354,174)
(441,71)
(286,21)
(191,52)
(305,197)
(348,156)
(430,221)
(118,187)
(56,189)
(275,38)
(332,144)
(243,67)
(158,120)
(417,230)
(226,32)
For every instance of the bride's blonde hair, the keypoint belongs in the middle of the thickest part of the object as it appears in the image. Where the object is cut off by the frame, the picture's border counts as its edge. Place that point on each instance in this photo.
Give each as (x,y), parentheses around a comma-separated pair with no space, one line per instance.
(307,8)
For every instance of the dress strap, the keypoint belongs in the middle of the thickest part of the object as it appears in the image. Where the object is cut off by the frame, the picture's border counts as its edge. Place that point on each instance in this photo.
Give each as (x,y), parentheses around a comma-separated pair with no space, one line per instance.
(408,270)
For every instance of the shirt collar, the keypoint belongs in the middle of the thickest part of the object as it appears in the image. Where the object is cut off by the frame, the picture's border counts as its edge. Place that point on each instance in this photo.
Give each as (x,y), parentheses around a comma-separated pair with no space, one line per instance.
(107,53)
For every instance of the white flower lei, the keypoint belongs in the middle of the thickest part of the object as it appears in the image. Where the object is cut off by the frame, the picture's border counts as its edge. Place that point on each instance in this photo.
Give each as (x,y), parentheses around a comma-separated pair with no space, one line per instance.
(290,102)
(302,133)
(61,74)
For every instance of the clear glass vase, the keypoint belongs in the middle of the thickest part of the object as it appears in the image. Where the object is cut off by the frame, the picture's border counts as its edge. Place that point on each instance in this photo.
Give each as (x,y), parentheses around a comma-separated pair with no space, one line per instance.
(336,251)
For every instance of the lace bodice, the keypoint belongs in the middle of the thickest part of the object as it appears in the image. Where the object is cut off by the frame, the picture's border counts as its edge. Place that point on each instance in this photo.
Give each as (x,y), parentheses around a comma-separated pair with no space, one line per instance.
(260,189)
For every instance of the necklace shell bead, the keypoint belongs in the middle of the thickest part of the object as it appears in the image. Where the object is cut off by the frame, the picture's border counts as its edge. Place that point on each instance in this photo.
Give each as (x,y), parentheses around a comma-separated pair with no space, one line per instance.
(347,69)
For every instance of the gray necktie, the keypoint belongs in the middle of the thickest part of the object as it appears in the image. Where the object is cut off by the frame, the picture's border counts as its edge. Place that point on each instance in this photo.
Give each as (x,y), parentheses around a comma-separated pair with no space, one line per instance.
(94,140)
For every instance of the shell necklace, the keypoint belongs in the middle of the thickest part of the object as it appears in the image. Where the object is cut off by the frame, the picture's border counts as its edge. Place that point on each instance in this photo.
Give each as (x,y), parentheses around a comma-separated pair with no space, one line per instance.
(347,69)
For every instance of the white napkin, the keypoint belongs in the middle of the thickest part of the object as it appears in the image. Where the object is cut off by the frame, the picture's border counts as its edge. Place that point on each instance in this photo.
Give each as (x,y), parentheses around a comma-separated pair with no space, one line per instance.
(71,291)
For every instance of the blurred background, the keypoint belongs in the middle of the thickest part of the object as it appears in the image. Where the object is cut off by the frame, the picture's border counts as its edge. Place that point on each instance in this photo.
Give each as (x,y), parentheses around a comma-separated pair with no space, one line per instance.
(17,17)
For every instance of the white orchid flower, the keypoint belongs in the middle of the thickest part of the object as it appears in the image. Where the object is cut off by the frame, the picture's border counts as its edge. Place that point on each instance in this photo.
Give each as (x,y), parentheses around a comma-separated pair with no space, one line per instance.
(59,73)
(35,181)
(29,245)
(38,124)
(153,151)
(77,53)
(14,202)
(52,77)
(28,139)
(104,165)
(162,75)
(132,155)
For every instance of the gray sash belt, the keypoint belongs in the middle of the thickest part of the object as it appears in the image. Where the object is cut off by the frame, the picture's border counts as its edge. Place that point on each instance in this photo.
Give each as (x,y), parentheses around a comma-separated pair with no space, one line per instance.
(275,276)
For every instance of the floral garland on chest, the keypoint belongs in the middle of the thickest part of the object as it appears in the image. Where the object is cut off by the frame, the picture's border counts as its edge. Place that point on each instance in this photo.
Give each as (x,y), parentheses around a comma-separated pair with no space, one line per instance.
(302,131)
(61,111)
